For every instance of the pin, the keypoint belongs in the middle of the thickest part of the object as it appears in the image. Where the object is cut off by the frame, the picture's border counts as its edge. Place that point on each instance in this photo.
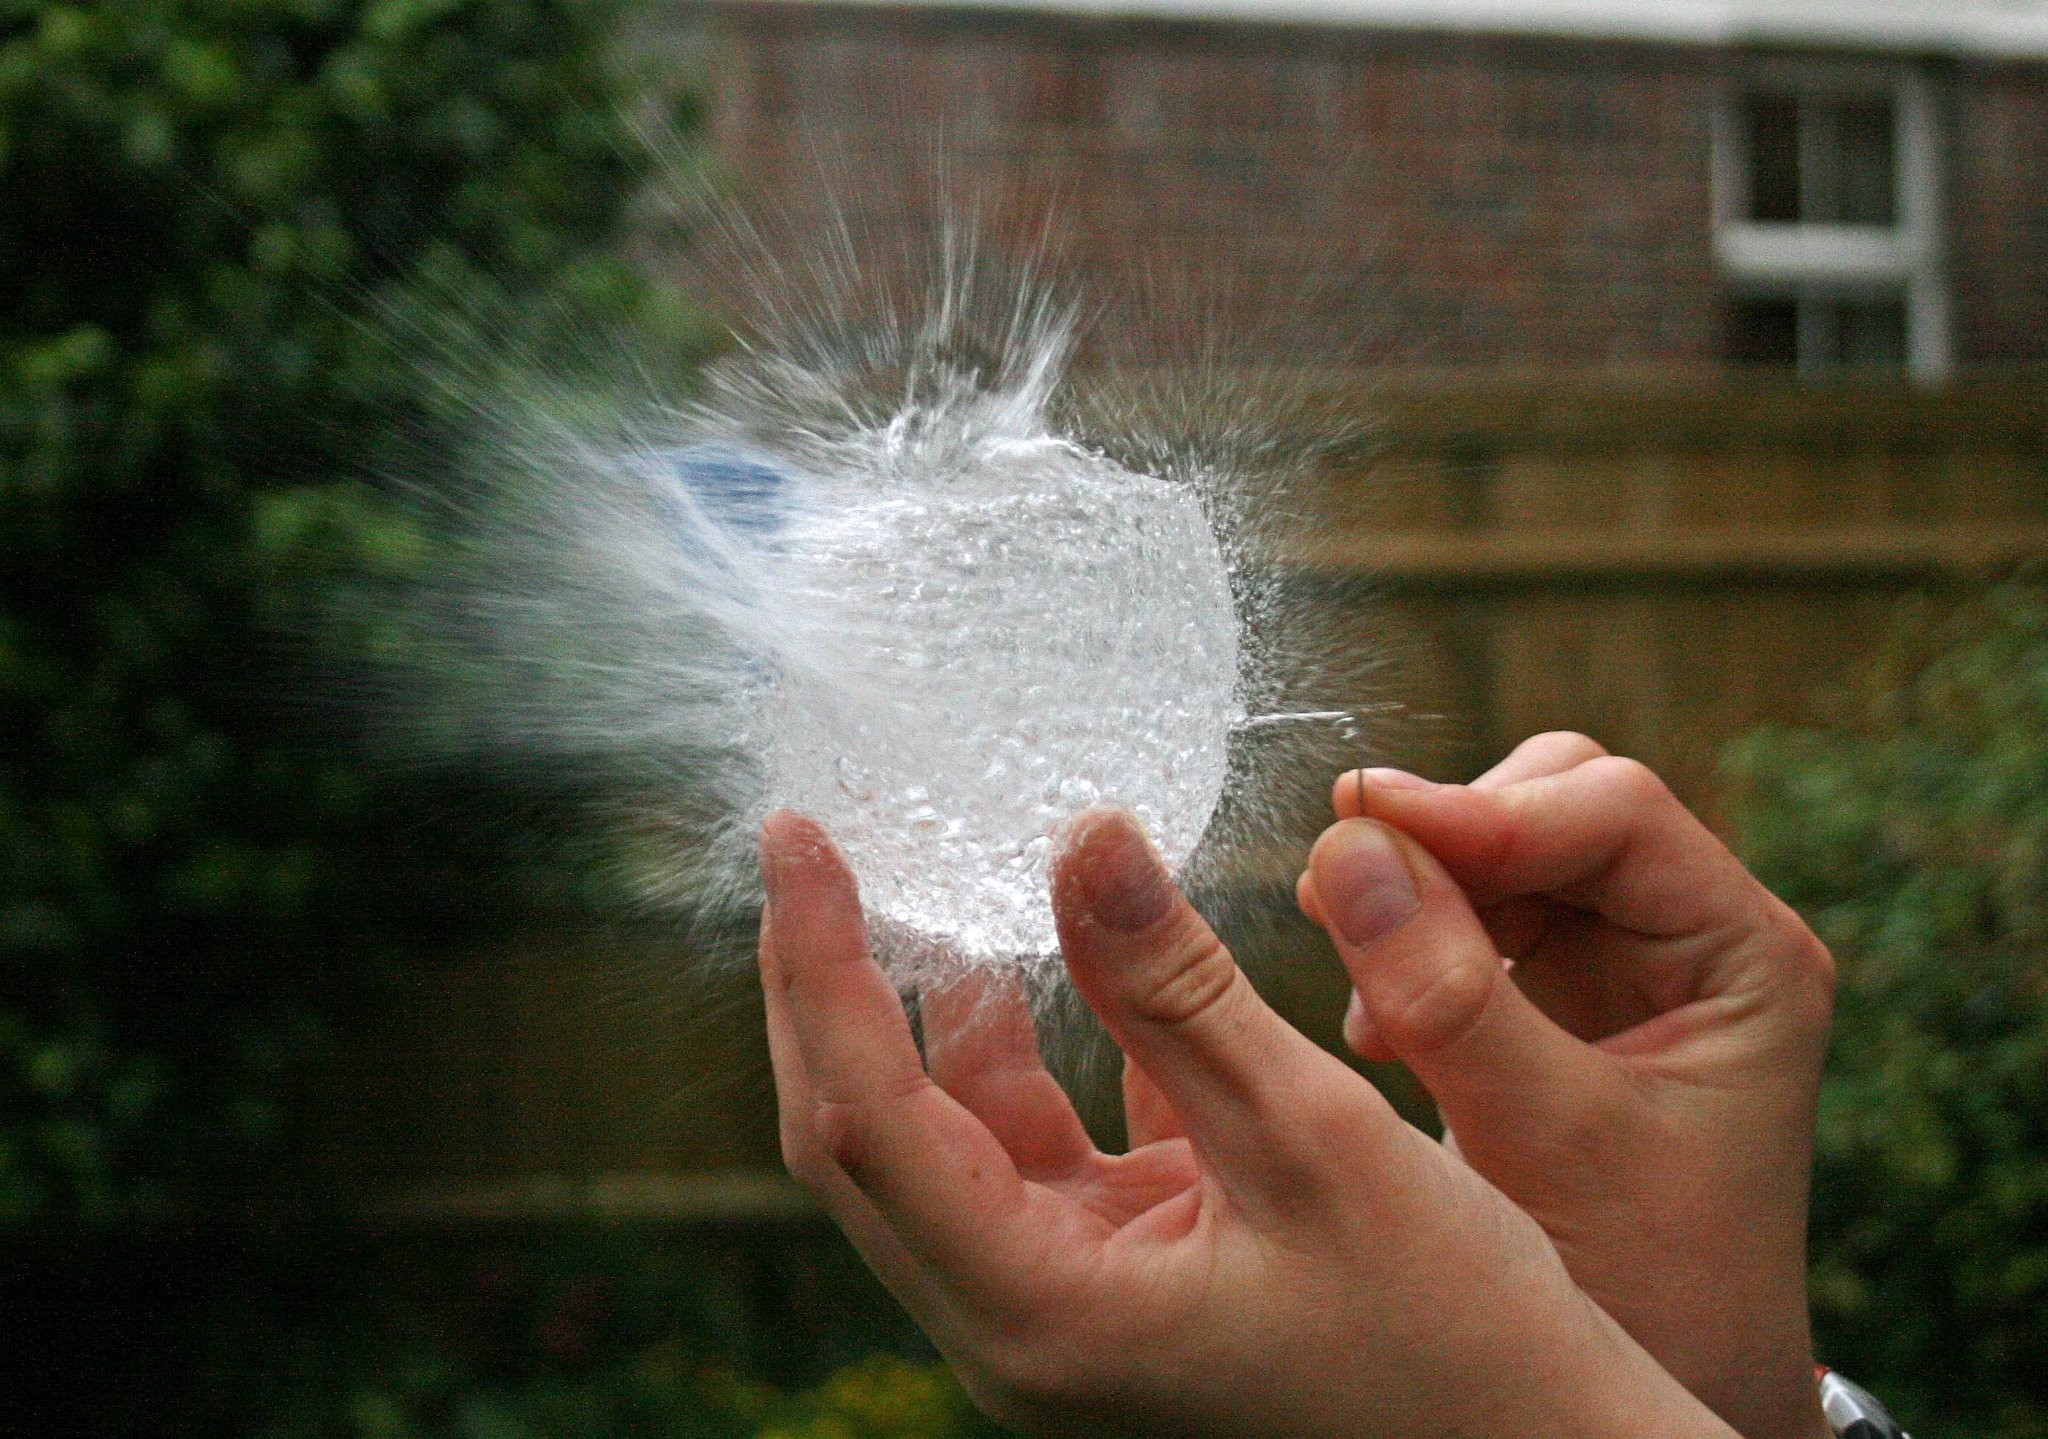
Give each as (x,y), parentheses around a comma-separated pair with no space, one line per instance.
(1298,717)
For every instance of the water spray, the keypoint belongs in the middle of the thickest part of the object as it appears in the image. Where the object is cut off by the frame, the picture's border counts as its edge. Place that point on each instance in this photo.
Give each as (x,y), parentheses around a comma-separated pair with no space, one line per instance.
(896,575)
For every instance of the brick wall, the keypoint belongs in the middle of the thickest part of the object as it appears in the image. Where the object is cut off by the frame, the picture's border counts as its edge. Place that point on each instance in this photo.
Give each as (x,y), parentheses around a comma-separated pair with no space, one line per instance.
(1999,209)
(1427,200)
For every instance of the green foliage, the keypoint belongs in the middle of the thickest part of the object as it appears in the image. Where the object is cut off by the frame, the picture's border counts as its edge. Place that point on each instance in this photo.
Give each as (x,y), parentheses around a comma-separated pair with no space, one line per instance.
(1915,840)
(221,223)
(584,1332)
(659,1391)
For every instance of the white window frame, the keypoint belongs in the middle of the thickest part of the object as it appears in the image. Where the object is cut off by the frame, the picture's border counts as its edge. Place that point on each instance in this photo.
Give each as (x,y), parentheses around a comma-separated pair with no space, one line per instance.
(1907,256)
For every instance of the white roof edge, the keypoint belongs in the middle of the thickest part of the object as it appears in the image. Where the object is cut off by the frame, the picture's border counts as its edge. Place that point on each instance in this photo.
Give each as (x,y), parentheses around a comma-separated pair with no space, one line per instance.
(2007,29)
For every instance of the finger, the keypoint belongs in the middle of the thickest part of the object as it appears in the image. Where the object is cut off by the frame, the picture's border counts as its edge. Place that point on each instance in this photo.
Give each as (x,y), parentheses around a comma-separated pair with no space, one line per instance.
(1148,1118)
(934,1173)
(1359,1034)
(1305,897)
(981,1047)
(1589,1000)
(1605,835)
(1254,1094)
(1362,1037)
(1348,794)
(805,1157)
(1515,923)
(1437,994)
(1542,754)
(1684,920)
(1539,755)
(1596,980)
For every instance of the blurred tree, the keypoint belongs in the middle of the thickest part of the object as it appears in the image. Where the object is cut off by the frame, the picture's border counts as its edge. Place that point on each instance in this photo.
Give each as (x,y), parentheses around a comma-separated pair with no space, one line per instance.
(221,225)
(1915,839)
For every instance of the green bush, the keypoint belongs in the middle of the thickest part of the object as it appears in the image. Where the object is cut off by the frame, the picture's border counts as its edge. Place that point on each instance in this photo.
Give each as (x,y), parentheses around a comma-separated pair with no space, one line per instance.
(660,1391)
(1915,839)
(222,223)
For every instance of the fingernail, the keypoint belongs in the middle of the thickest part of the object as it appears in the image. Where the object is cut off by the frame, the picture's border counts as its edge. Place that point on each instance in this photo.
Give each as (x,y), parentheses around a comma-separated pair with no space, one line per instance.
(1384,778)
(1357,1024)
(1374,893)
(768,853)
(1122,882)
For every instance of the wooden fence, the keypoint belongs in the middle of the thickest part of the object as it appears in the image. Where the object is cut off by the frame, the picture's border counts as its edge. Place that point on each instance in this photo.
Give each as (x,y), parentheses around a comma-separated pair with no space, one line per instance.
(1664,569)
(1661,568)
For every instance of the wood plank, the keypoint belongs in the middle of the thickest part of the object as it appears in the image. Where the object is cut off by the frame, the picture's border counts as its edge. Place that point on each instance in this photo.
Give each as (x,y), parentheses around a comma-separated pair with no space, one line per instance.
(1861,552)
(1410,413)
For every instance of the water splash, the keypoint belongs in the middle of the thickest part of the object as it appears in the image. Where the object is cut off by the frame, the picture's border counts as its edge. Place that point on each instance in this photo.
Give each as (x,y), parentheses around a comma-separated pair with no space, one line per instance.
(892,566)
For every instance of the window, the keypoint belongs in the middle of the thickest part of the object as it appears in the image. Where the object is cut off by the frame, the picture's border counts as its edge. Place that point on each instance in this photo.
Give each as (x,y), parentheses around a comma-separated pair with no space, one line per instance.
(1827,221)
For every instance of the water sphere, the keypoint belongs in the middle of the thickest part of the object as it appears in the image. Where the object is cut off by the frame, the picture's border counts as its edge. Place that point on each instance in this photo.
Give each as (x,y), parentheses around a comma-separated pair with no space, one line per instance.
(982,646)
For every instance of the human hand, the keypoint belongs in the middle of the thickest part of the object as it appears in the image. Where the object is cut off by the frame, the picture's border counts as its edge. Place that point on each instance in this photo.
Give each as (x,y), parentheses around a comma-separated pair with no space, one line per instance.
(1642,1081)
(1277,1254)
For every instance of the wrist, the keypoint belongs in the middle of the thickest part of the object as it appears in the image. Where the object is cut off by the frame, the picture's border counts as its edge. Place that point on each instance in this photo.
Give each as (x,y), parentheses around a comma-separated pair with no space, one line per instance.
(1667,1410)
(1639,1396)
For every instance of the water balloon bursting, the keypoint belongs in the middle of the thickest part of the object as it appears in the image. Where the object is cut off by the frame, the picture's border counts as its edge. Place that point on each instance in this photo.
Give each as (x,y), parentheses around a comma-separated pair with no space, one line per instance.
(960,630)
(885,576)
(983,637)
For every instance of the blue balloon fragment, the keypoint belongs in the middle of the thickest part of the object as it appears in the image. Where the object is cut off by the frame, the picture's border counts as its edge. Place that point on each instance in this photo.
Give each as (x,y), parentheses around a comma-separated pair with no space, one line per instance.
(724,510)
(734,490)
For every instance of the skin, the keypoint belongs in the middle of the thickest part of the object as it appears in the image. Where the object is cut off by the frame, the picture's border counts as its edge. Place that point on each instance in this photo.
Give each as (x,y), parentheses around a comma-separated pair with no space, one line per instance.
(1642,1080)
(1277,1254)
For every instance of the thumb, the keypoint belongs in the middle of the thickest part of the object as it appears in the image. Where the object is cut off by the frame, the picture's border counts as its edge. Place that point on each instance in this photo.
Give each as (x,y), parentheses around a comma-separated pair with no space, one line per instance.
(1437,995)
(1257,1099)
